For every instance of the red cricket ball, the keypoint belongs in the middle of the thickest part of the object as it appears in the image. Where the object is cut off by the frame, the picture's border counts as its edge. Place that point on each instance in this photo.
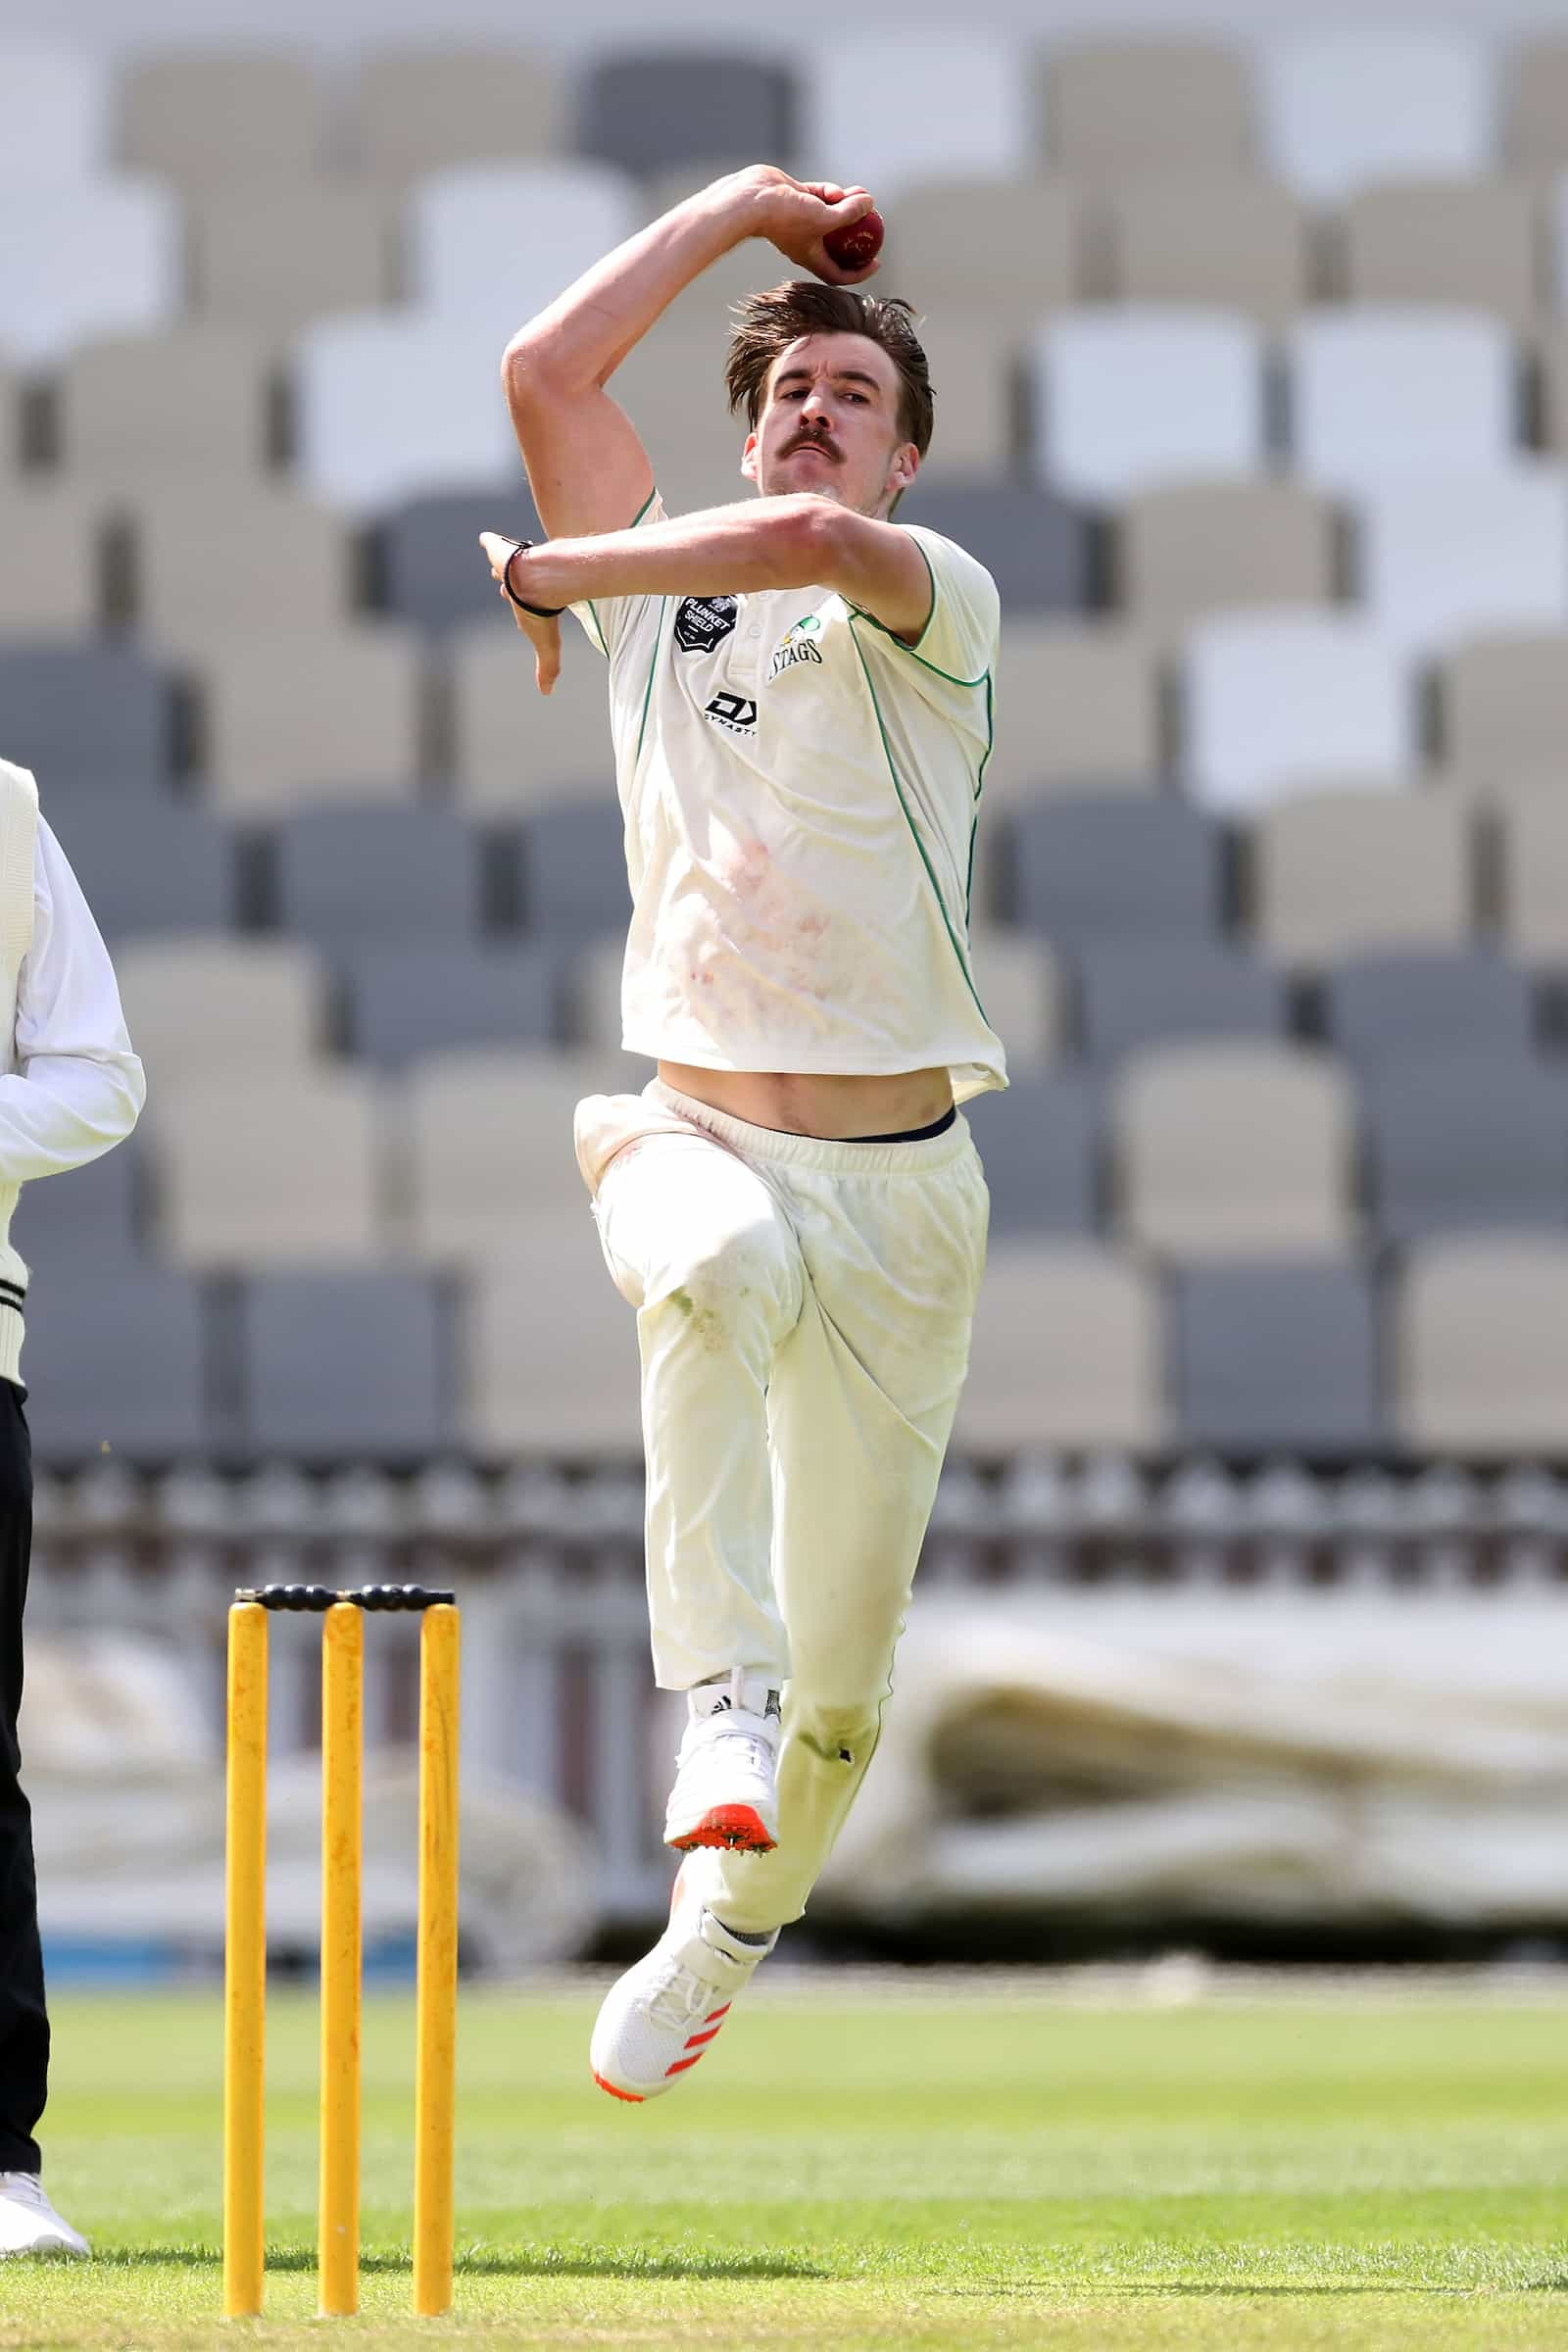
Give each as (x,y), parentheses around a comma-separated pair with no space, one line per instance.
(857,246)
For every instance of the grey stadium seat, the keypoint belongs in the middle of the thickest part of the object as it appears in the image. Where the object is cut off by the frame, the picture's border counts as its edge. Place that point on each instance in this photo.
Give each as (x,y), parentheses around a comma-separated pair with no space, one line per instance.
(1117,865)
(86,1215)
(345,1365)
(1039,1142)
(420,998)
(433,571)
(1268,1356)
(1381,1008)
(147,866)
(647,109)
(376,874)
(1034,545)
(1458,1140)
(575,872)
(1137,992)
(119,1364)
(74,712)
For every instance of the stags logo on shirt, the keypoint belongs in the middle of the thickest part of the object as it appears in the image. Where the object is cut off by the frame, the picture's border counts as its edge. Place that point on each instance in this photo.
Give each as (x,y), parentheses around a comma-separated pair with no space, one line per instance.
(797,644)
(702,623)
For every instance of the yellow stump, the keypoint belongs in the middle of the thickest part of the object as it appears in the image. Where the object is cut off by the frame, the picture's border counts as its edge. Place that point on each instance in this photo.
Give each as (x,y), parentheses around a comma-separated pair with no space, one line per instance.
(436,2024)
(245,1963)
(342,1746)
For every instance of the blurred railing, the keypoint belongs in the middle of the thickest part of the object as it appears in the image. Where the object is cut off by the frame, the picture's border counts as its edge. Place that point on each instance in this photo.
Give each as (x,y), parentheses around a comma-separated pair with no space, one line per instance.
(557,1693)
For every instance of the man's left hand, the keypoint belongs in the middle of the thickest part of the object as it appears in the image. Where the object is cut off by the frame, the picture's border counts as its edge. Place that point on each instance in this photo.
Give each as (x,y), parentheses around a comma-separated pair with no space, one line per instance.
(542,634)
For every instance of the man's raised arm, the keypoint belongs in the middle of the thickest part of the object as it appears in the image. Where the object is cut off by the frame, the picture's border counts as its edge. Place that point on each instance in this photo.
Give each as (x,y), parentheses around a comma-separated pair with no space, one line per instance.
(587,467)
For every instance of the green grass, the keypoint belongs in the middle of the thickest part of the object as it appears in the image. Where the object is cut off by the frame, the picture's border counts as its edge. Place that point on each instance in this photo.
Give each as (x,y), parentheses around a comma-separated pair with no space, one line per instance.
(855,2168)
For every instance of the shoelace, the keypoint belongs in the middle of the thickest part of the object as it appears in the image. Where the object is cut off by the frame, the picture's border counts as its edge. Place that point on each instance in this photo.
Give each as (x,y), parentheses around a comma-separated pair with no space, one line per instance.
(25,2187)
(758,1754)
(681,1996)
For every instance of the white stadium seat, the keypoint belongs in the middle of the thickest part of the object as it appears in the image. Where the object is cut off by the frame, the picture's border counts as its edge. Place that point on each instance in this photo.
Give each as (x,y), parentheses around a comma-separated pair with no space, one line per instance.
(55,103)
(498,241)
(1344,106)
(958,103)
(91,257)
(1272,699)
(393,404)
(1443,560)
(1125,400)
(1380,393)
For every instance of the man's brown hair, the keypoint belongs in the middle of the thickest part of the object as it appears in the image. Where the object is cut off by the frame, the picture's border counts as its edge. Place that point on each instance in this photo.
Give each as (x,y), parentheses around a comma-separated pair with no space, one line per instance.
(766,324)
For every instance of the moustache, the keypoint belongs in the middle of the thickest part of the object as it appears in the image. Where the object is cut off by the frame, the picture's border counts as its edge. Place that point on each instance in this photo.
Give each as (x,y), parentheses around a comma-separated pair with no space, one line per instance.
(813,441)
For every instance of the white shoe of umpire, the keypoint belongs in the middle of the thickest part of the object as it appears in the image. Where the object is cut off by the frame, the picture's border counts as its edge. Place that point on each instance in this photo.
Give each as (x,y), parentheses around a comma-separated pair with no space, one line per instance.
(661,2016)
(724,1779)
(29,2224)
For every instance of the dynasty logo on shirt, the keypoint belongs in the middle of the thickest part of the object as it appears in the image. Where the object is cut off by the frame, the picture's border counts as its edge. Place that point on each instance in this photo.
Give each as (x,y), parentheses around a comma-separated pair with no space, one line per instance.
(704,621)
(736,713)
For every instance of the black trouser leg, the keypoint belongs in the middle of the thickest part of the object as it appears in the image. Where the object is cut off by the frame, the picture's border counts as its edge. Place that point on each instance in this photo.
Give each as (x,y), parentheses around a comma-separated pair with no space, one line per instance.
(23,2020)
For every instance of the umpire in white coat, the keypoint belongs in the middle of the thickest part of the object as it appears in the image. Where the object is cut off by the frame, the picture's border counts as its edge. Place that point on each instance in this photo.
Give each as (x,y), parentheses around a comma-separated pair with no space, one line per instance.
(71,1088)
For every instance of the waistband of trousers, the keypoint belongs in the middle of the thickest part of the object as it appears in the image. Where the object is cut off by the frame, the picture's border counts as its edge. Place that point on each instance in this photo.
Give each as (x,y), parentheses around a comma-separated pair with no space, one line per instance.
(831,1156)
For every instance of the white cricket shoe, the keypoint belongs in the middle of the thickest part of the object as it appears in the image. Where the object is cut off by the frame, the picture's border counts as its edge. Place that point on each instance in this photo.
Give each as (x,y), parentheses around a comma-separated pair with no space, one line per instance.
(724,1791)
(29,2224)
(661,2017)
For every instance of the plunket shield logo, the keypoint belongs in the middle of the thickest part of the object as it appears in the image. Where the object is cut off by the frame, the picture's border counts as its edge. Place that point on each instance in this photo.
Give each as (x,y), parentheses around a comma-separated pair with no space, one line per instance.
(702,623)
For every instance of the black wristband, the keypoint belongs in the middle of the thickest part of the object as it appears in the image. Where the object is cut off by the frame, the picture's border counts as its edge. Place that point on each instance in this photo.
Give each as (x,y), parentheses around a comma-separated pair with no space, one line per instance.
(539,612)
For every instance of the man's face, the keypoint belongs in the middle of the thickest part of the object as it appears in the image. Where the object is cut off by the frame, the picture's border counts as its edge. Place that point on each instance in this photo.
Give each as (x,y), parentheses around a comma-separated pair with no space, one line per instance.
(829,425)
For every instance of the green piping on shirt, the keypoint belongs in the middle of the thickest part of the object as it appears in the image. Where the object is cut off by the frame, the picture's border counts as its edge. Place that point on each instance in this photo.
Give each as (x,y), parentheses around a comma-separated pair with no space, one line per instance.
(914,833)
(631,526)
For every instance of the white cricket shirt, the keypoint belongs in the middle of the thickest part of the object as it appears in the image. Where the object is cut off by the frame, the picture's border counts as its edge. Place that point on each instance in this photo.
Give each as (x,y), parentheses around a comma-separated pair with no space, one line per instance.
(800,792)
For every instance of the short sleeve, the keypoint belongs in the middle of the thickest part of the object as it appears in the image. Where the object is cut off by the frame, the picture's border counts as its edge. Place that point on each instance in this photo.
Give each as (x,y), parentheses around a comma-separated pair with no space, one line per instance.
(608,620)
(960,636)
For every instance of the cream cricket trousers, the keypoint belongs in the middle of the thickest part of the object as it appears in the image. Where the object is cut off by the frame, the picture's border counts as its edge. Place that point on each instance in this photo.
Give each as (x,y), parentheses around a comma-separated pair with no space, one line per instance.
(803,1316)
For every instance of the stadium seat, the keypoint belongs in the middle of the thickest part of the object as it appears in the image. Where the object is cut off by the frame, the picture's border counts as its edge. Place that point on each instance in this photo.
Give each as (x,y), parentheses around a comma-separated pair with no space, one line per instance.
(296,719)
(57,111)
(279,1170)
(1034,547)
(497,242)
(577,1397)
(1379,394)
(1534,862)
(189,401)
(146,866)
(207,118)
(1274,697)
(434,569)
(1463,1139)
(1020,984)
(591,993)
(1471,244)
(84,1217)
(1274,1359)
(1333,872)
(1034,232)
(1481,1346)
(1077,707)
(514,749)
(1067,1353)
(1504,705)
(1232,1150)
(427,995)
(1535,126)
(1114,865)
(197,1007)
(396,405)
(1040,1142)
(1381,1008)
(1344,106)
(117,1364)
(313,246)
(976,361)
(420,108)
(377,876)
(574,871)
(645,108)
(215,561)
(948,101)
(1225,243)
(1119,108)
(87,258)
(487,1148)
(1135,992)
(1442,562)
(671,385)
(1196,549)
(77,714)
(1099,434)
(352,1367)
(51,579)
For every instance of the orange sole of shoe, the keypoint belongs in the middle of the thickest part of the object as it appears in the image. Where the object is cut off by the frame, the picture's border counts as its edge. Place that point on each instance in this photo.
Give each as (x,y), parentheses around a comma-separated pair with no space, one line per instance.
(633,2099)
(737,1828)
